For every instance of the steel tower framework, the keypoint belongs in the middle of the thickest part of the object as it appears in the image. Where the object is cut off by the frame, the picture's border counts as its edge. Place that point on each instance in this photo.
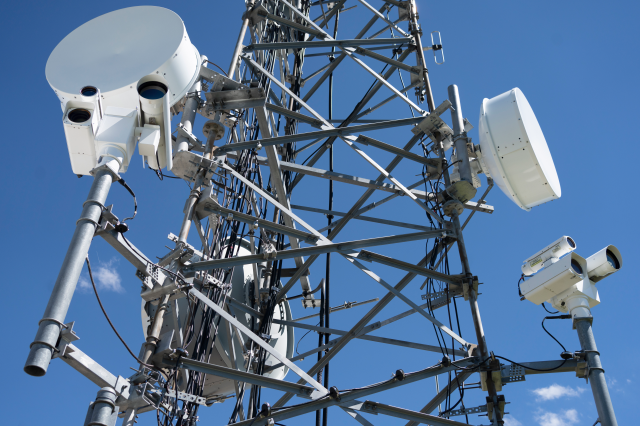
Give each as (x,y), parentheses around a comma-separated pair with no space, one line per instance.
(263,102)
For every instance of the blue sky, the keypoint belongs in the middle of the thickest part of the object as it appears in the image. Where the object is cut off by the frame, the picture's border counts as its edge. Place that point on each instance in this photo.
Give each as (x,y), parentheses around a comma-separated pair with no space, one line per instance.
(575,62)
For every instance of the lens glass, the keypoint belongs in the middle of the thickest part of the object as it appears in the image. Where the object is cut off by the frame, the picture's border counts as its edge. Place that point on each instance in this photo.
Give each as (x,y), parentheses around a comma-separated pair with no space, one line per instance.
(88,91)
(152,92)
(571,242)
(79,115)
(613,260)
(576,266)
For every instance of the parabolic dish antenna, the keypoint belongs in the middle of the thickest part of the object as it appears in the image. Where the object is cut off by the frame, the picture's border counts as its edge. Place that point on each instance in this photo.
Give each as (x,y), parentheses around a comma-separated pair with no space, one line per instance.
(515,150)
(113,52)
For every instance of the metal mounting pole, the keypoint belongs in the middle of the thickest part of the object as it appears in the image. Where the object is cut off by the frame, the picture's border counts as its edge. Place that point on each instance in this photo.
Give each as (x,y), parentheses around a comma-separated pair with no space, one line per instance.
(595,373)
(236,52)
(189,115)
(473,297)
(154,334)
(103,411)
(416,32)
(54,315)
(459,135)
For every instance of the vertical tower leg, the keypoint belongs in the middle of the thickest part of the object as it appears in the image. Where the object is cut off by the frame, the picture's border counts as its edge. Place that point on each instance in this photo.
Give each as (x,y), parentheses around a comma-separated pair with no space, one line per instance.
(51,323)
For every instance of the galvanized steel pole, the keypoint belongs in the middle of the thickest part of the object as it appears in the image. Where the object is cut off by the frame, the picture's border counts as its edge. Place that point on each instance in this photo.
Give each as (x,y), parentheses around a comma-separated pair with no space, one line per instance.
(104,408)
(459,135)
(595,373)
(54,315)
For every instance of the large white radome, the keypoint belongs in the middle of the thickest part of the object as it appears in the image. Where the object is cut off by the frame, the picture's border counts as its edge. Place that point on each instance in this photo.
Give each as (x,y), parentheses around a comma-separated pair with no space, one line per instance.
(515,150)
(113,52)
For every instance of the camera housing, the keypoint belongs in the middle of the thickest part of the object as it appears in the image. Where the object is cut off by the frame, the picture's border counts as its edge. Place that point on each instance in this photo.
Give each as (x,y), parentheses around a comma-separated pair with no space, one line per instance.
(103,63)
(604,263)
(553,251)
(569,283)
(555,279)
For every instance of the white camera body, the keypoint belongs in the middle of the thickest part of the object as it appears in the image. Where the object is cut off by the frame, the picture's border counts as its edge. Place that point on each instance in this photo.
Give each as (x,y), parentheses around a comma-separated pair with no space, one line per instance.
(569,283)
(553,251)
(555,279)
(604,263)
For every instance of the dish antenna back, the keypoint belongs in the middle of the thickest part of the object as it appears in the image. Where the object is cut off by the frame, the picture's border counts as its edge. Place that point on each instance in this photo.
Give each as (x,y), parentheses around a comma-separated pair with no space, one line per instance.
(515,150)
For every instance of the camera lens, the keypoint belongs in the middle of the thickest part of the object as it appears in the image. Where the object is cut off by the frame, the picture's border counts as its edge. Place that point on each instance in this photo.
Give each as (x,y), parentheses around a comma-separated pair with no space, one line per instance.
(571,242)
(612,259)
(152,90)
(88,91)
(576,266)
(79,115)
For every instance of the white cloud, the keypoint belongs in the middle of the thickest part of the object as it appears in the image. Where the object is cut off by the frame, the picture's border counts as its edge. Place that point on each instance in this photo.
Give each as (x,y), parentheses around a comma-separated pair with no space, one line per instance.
(84,283)
(511,421)
(568,418)
(105,276)
(556,391)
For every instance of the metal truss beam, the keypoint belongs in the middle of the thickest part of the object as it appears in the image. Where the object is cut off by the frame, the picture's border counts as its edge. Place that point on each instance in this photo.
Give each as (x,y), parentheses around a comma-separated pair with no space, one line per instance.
(363,218)
(266,224)
(366,140)
(401,413)
(318,404)
(281,192)
(331,131)
(321,390)
(361,324)
(406,266)
(443,395)
(347,246)
(241,376)
(353,180)
(328,43)
(408,301)
(364,336)
(314,122)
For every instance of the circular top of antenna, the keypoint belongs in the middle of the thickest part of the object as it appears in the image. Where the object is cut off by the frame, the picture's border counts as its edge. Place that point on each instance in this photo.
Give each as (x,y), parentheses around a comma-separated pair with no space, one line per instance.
(115,50)
(515,150)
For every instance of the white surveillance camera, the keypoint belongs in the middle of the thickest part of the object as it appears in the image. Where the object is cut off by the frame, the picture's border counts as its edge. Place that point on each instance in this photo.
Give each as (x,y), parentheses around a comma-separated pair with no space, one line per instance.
(569,284)
(552,252)
(555,278)
(604,263)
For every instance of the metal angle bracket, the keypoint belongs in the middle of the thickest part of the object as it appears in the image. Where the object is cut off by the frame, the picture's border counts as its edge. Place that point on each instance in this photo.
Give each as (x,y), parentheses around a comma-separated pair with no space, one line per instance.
(434,124)
(464,411)
(219,81)
(183,396)
(193,140)
(512,373)
(186,165)
(150,277)
(67,336)
(253,97)
(311,303)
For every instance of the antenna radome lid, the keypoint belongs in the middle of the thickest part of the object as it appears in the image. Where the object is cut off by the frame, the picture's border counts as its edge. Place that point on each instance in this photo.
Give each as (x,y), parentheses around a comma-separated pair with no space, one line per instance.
(515,150)
(114,51)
